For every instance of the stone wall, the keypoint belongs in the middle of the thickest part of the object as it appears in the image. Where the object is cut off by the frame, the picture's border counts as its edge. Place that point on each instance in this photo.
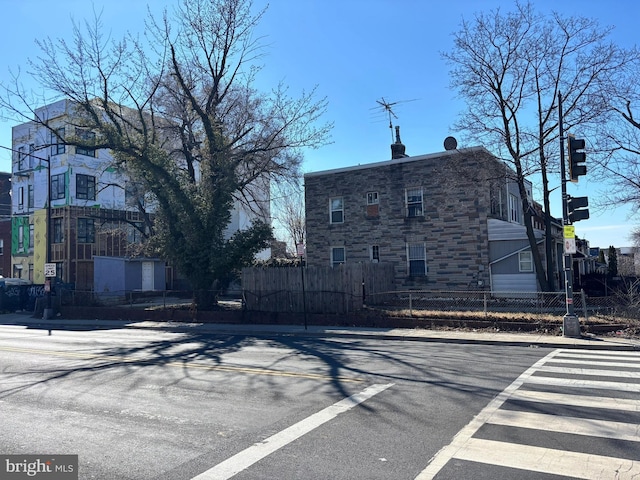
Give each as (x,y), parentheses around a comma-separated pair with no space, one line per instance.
(456,203)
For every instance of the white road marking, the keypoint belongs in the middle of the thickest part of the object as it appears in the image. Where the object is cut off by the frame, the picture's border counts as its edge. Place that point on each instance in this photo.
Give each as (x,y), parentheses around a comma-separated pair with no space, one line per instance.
(590,371)
(572,425)
(547,460)
(610,403)
(258,451)
(599,354)
(631,365)
(576,383)
(441,458)
(571,464)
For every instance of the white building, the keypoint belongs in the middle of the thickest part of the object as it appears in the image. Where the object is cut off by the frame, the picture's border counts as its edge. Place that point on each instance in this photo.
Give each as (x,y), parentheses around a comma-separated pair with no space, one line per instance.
(94,206)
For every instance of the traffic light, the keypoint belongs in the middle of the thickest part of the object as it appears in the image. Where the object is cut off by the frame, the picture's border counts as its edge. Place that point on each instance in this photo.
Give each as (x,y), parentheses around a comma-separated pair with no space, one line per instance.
(576,208)
(576,158)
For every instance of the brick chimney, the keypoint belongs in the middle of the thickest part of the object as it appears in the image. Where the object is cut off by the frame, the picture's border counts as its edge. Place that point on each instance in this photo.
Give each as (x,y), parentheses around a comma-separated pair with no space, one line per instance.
(397,148)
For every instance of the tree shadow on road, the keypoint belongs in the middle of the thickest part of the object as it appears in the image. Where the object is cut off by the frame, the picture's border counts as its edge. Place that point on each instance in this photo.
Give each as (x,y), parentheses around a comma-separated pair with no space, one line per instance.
(259,363)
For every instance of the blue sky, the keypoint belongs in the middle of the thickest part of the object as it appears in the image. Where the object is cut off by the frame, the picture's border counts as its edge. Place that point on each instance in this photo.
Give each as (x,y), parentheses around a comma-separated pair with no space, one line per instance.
(356,52)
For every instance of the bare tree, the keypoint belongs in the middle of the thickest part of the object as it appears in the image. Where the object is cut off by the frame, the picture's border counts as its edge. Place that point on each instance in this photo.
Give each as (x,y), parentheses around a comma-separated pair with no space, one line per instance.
(510,68)
(182,115)
(289,213)
(618,144)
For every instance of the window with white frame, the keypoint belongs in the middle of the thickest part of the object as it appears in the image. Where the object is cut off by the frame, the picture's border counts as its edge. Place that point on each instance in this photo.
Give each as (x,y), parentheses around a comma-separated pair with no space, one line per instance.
(525,261)
(514,210)
(31,232)
(414,202)
(336,206)
(372,204)
(337,256)
(20,198)
(417,259)
(375,253)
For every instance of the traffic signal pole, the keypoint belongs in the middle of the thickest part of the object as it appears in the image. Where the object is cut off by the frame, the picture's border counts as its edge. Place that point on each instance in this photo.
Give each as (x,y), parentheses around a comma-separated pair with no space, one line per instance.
(570,322)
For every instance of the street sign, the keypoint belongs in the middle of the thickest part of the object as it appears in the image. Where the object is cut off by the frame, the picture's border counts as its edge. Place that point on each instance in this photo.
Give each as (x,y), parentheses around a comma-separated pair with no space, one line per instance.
(570,245)
(569,231)
(49,269)
(300,249)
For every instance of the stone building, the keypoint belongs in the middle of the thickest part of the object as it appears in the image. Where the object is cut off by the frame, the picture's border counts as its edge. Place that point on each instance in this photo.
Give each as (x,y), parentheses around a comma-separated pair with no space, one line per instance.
(447,220)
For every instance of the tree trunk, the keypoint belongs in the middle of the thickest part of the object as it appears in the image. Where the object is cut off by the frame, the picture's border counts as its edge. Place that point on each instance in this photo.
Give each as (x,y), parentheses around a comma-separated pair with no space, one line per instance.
(204,299)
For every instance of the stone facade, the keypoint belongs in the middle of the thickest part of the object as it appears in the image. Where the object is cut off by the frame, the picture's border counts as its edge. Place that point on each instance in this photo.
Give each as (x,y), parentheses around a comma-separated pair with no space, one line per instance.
(426,214)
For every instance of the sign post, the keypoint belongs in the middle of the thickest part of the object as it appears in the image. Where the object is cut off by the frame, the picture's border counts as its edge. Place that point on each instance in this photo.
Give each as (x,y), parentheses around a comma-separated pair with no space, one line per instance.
(49,273)
(570,322)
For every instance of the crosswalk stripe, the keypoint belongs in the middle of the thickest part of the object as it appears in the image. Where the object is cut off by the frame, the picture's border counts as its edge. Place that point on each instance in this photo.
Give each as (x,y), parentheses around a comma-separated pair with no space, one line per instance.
(578,383)
(596,363)
(595,354)
(547,460)
(587,401)
(571,425)
(440,459)
(590,371)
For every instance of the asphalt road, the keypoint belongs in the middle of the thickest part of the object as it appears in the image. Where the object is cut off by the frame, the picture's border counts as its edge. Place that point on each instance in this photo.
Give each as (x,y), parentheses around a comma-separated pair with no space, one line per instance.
(146,404)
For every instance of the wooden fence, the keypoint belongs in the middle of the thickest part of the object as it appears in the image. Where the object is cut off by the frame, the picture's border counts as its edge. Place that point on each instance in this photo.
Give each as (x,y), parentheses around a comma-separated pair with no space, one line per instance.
(340,289)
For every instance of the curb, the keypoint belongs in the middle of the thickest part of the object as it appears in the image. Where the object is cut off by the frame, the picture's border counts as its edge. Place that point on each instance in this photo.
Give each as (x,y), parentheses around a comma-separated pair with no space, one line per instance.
(588,342)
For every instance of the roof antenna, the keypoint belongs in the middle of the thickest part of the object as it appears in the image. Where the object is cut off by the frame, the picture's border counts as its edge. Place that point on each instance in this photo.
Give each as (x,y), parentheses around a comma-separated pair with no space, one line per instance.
(387,108)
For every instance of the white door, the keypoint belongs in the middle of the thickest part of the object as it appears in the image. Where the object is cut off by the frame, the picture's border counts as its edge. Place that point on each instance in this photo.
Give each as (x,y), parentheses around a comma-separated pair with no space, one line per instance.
(147,276)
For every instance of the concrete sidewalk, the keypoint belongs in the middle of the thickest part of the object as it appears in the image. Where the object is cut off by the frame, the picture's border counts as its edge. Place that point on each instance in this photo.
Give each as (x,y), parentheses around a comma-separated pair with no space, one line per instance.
(425,335)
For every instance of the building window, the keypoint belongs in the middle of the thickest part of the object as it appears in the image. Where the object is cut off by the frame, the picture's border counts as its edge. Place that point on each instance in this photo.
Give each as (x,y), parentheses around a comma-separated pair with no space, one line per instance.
(58,234)
(414,202)
(86,230)
(85,187)
(21,158)
(525,261)
(30,277)
(372,204)
(375,253)
(337,210)
(57,142)
(32,148)
(20,198)
(1,246)
(88,138)
(514,211)
(337,256)
(30,201)
(417,259)
(58,190)
(20,238)
(31,235)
